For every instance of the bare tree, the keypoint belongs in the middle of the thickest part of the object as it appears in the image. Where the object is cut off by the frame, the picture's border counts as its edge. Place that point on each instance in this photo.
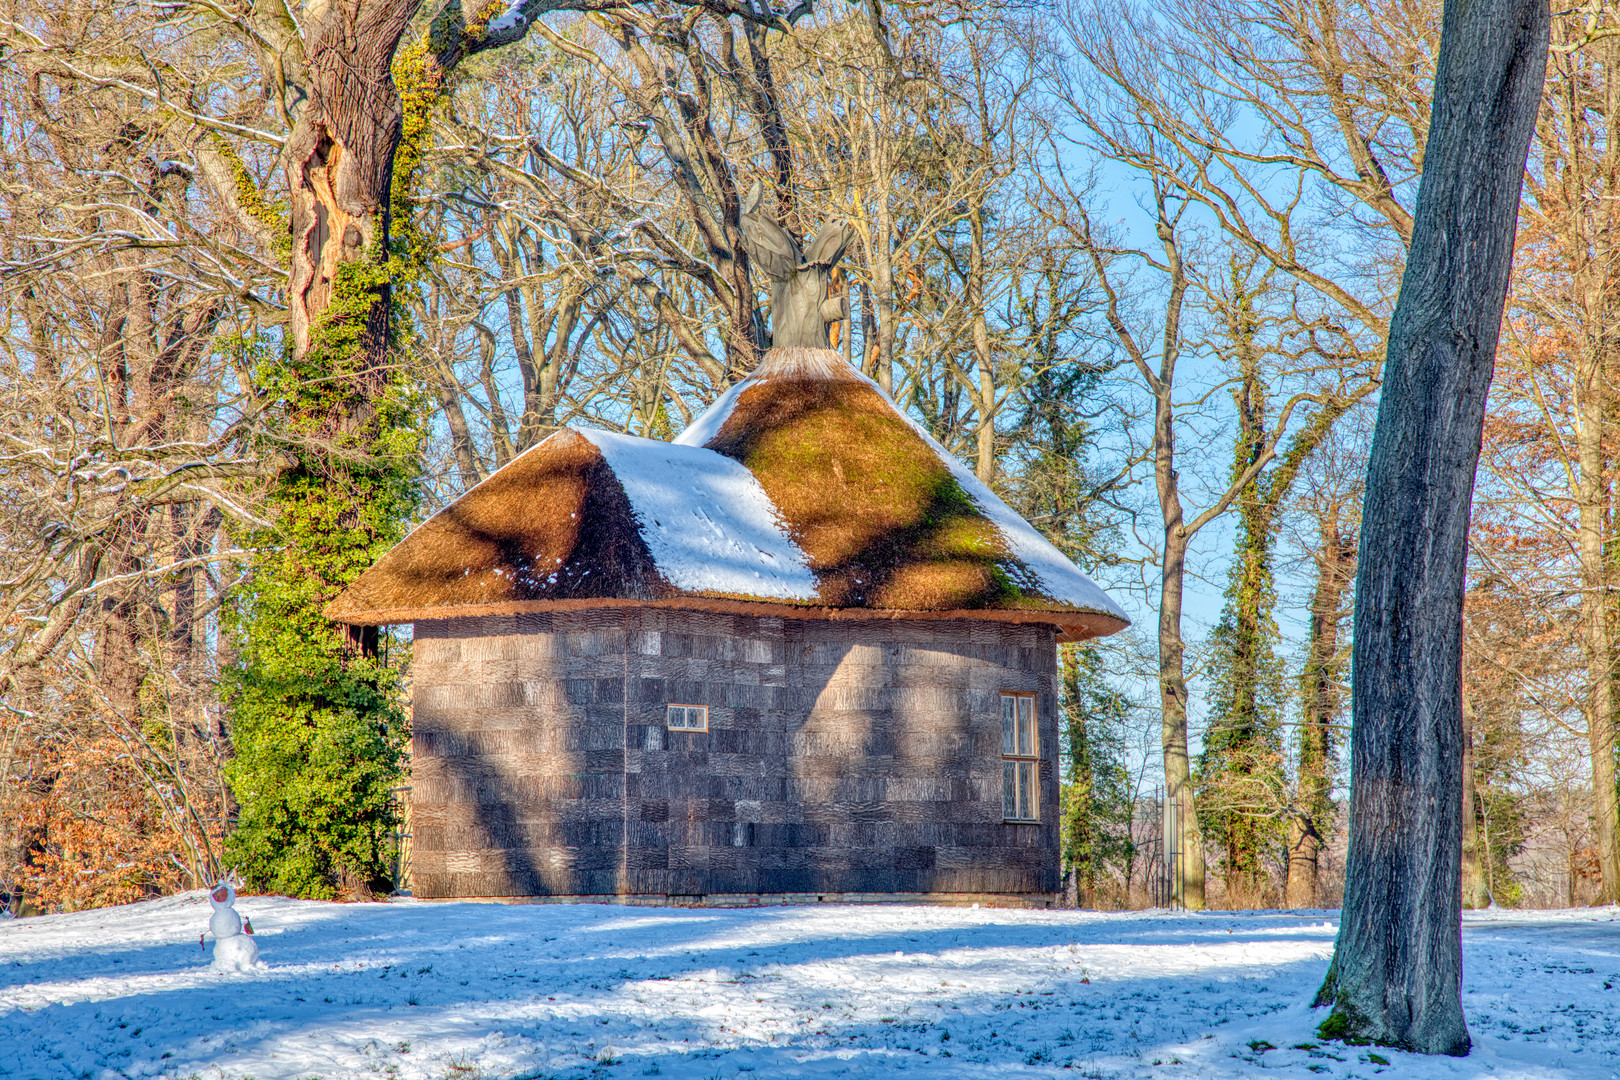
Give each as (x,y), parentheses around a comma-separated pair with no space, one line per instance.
(1166,106)
(135,287)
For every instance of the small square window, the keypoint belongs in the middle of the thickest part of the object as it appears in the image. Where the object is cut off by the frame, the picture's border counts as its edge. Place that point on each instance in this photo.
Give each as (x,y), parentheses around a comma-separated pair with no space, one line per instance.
(1020,759)
(688,718)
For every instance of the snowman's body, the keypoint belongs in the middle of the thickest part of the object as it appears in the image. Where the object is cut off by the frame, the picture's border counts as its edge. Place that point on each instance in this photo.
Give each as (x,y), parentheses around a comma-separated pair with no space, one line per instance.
(226,921)
(238,953)
(234,949)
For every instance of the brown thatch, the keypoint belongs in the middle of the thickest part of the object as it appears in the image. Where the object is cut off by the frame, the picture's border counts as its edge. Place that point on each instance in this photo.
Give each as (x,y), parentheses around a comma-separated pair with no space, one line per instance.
(884,521)
(554,524)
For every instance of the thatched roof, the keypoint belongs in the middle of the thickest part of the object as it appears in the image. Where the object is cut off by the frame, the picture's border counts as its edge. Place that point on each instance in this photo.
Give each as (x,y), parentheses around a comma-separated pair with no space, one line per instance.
(804,490)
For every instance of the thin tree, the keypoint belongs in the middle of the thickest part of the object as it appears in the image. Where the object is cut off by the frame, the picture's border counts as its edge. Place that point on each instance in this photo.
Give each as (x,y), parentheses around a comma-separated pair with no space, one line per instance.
(1310,815)
(1396,975)
(1178,104)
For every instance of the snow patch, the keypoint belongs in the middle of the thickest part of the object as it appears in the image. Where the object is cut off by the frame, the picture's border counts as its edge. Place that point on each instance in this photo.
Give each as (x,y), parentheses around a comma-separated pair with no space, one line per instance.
(509,19)
(422,991)
(707,522)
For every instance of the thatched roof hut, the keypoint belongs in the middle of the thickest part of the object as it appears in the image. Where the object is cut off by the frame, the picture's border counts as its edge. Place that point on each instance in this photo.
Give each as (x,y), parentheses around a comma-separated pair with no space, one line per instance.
(804,491)
(799,654)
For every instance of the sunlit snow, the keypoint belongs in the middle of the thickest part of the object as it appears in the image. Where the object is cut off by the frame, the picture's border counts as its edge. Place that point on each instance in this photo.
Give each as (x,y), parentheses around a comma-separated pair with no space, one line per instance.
(706,521)
(595,992)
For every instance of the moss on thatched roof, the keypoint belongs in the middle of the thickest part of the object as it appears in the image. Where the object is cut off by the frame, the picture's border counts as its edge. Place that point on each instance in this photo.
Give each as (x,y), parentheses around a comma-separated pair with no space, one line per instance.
(841,507)
(887,518)
(882,519)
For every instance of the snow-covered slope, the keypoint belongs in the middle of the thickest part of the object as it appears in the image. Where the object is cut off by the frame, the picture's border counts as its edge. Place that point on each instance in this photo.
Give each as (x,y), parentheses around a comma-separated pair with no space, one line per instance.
(433,991)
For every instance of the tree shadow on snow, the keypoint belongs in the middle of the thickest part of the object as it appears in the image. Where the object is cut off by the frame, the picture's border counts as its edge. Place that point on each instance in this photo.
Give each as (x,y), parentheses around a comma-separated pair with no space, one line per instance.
(557,971)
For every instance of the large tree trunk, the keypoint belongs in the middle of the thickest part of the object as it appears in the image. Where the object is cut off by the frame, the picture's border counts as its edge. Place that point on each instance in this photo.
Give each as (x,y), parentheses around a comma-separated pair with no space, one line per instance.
(340,161)
(1396,975)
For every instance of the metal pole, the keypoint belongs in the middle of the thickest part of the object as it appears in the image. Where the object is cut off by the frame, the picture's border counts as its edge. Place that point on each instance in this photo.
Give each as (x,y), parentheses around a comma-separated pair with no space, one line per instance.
(849,320)
(1174,864)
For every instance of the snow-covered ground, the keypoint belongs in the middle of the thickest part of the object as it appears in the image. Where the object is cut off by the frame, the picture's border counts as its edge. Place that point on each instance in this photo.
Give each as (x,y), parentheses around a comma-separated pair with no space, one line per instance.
(446,991)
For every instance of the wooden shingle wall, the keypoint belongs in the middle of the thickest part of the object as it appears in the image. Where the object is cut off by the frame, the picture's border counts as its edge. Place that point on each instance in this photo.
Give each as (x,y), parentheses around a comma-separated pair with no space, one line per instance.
(841,757)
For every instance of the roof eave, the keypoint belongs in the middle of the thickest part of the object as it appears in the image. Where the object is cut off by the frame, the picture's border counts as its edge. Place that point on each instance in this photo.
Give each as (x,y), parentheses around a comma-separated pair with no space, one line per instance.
(1071,625)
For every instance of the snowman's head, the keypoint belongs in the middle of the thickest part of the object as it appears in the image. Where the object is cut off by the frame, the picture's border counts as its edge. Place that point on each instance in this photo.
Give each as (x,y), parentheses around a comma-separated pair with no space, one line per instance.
(223,893)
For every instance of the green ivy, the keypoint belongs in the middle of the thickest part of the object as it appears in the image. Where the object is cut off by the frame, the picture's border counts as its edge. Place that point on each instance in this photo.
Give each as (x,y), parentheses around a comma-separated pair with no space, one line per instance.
(1242,782)
(1097,801)
(318,728)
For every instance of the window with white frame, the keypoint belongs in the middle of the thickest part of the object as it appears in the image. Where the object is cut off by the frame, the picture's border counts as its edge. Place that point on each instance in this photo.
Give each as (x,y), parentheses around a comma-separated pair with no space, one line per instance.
(1020,759)
(688,718)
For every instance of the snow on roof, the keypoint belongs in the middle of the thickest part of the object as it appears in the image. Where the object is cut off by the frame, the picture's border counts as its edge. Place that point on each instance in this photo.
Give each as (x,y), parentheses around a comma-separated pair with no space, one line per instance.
(707,523)
(803,485)
(709,422)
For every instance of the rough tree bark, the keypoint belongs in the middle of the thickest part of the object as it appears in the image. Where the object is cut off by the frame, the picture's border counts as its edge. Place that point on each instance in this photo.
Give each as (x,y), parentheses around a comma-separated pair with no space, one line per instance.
(1396,975)
(1320,704)
(340,160)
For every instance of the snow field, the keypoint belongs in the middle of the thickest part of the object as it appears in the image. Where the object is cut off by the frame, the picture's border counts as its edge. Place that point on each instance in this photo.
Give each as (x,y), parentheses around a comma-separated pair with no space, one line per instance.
(470,991)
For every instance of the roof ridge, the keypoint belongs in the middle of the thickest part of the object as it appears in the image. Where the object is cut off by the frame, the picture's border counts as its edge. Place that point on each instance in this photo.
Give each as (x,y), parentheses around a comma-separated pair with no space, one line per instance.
(798,362)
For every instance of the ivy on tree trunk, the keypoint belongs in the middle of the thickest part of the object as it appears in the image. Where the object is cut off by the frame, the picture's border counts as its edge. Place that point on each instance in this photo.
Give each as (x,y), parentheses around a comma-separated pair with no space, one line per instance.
(316,717)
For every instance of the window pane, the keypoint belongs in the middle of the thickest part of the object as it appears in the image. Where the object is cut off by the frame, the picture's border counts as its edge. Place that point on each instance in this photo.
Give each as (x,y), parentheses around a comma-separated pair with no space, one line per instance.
(1009,789)
(1008,705)
(1026,725)
(1026,789)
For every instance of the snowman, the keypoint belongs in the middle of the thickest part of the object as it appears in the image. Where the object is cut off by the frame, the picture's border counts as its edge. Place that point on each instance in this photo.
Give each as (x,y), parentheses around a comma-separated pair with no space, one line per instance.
(234,947)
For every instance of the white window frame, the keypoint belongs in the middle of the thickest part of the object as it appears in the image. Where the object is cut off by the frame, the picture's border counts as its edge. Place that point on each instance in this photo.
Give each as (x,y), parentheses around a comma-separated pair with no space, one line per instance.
(680,717)
(1020,757)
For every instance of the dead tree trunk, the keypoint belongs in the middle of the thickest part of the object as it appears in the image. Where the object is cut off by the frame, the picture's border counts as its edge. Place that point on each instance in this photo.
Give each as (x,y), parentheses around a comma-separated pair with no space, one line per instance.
(340,161)
(1396,975)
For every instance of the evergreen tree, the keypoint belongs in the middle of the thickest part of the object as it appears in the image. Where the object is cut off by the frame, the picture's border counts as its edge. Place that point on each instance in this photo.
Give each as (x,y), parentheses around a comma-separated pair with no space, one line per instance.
(1241,776)
(1097,797)
(1049,480)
